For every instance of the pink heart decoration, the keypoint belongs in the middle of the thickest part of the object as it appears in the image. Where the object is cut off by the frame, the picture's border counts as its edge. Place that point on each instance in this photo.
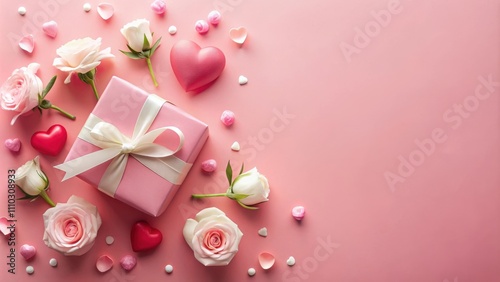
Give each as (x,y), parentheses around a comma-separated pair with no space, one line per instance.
(27,43)
(27,251)
(13,144)
(4,223)
(105,10)
(50,28)
(194,67)
(238,35)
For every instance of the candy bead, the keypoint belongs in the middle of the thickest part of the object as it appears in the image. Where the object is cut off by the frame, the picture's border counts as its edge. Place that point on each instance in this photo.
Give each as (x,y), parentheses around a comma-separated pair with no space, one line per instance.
(169,268)
(201,26)
(227,118)
(298,212)
(209,166)
(21,10)
(251,271)
(30,269)
(128,262)
(159,7)
(172,29)
(214,17)
(87,7)
(53,262)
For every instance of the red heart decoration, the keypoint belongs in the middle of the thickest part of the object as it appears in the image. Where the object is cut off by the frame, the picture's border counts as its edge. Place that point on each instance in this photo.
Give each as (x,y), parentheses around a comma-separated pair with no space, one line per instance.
(196,67)
(144,237)
(50,142)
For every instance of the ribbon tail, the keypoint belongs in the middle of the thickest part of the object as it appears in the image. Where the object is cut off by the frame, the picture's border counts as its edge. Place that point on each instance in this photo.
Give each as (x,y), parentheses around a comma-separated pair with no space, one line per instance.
(113,175)
(86,162)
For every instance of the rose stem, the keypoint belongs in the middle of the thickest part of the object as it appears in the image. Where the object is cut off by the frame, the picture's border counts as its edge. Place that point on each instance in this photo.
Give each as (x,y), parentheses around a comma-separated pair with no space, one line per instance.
(92,83)
(47,199)
(199,196)
(150,67)
(68,115)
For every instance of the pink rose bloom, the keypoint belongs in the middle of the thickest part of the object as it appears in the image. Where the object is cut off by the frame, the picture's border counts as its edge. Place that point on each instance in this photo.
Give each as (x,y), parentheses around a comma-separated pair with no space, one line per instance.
(71,228)
(213,237)
(20,92)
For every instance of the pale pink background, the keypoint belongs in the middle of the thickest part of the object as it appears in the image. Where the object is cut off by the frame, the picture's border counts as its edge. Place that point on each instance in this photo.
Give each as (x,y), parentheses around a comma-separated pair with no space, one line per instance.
(353,116)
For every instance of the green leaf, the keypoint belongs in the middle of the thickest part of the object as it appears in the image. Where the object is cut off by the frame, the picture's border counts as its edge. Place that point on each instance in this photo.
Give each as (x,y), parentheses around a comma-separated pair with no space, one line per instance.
(49,86)
(247,207)
(145,44)
(229,174)
(239,196)
(155,46)
(241,170)
(133,51)
(135,56)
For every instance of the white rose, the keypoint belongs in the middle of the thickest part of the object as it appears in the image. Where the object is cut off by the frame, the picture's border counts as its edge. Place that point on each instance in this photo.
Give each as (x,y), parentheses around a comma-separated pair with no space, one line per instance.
(134,33)
(31,179)
(213,237)
(254,184)
(20,92)
(80,56)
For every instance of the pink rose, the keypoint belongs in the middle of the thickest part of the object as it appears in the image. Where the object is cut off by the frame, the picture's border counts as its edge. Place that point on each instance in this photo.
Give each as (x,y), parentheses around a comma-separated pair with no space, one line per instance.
(20,92)
(213,237)
(71,228)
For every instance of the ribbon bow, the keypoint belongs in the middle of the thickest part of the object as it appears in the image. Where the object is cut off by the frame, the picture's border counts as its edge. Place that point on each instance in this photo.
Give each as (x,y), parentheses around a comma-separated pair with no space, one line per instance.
(118,147)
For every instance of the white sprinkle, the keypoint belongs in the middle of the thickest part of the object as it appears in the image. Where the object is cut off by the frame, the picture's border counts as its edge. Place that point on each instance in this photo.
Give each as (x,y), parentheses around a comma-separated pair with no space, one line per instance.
(236,146)
(53,262)
(172,29)
(169,268)
(242,80)
(87,7)
(263,232)
(29,269)
(21,10)
(290,261)
(251,271)
(110,240)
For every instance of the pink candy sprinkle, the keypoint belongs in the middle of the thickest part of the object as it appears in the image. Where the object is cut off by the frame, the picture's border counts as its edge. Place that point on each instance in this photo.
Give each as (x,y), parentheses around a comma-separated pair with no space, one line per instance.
(159,7)
(209,166)
(298,212)
(227,118)
(214,17)
(201,26)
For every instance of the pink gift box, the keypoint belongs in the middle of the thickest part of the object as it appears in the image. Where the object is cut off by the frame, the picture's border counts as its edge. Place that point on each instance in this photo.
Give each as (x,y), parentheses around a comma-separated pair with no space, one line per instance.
(140,187)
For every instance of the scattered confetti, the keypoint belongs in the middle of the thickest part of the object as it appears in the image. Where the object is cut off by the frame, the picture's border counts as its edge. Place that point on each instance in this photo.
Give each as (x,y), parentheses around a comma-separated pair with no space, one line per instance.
(214,17)
(21,11)
(105,10)
(159,7)
(30,270)
(262,232)
(128,262)
(209,166)
(227,118)
(27,251)
(242,80)
(104,263)
(172,29)
(298,212)
(87,7)
(266,260)
(251,271)
(27,43)
(236,146)
(53,262)
(290,261)
(50,28)
(238,35)
(201,26)
(110,240)
(169,268)
(13,145)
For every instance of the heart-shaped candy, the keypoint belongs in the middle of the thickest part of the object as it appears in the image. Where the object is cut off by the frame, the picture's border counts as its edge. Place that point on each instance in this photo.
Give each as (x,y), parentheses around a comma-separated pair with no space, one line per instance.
(50,28)
(238,35)
(13,144)
(27,251)
(27,43)
(50,142)
(4,224)
(144,237)
(105,10)
(195,67)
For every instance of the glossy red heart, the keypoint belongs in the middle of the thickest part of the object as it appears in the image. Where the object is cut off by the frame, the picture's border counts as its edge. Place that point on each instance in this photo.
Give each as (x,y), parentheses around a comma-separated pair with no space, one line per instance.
(195,67)
(50,142)
(144,237)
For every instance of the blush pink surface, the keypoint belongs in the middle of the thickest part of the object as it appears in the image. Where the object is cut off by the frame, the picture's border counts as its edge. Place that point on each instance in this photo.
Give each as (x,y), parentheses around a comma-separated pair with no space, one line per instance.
(325,125)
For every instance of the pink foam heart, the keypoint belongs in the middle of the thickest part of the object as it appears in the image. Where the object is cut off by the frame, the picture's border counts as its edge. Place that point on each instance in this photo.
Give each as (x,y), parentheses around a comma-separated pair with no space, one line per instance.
(4,223)
(27,43)
(238,35)
(105,10)
(27,251)
(13,144)
(194,67)
(50,28)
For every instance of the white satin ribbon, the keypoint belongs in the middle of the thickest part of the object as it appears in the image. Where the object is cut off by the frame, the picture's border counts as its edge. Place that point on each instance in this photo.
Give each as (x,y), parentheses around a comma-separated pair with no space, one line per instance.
(117,147)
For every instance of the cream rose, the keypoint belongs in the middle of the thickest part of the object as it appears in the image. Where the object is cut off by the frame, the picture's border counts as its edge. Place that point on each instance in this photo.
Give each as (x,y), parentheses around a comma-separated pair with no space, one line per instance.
(31,179)
(20,91)
(134,32)
(71,228)
(253,184)
(213,237)
(80,56)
